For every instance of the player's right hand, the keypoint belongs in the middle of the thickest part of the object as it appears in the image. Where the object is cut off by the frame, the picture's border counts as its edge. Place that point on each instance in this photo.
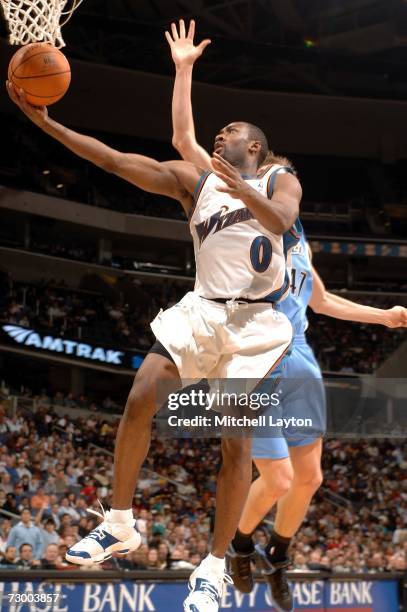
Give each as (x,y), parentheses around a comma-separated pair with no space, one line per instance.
(37,114)
(396,317)
(183,50)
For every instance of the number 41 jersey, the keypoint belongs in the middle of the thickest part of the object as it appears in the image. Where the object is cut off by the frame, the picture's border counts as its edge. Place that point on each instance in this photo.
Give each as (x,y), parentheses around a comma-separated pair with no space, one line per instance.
(299,268)
(236,257)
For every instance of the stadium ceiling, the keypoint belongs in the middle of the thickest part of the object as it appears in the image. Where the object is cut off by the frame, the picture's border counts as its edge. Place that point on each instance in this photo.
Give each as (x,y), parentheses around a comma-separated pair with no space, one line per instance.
(341,47)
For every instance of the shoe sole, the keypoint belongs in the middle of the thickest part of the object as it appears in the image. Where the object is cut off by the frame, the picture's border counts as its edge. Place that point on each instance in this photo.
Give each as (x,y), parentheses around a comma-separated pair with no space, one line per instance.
(121,547)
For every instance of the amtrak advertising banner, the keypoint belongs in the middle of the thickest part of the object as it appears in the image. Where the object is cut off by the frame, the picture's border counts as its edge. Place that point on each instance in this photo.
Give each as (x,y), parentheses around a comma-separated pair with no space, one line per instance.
(78,350)
(126,596)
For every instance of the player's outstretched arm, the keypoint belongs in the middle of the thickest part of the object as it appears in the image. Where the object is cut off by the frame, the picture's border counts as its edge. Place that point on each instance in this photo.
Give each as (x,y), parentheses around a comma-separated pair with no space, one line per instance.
(174,179)
(324,302)
(184,54)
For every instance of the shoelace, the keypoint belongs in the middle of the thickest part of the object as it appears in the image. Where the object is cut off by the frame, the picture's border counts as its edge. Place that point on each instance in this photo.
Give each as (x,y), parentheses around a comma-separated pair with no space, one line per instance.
(96,533)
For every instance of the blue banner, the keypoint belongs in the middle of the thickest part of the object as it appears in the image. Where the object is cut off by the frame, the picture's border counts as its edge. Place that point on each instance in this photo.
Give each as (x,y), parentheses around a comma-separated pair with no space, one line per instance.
(365,249)
(126,596)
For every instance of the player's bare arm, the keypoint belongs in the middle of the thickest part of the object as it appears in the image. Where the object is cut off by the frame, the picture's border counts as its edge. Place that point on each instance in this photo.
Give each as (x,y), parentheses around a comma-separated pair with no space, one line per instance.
(175,179)
(184,54)
(329,304)
(277,214)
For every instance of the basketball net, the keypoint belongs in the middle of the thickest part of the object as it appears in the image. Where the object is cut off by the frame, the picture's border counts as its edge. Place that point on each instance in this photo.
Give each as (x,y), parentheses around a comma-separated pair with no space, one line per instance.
(37,20)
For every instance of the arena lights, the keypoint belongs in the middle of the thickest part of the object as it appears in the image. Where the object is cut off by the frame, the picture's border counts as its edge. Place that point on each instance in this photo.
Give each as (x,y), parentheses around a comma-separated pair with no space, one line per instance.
(309,43)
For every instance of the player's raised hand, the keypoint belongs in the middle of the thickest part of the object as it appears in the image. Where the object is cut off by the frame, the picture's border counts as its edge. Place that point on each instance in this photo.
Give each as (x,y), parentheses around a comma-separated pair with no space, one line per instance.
(396,317)
(235,185)
(183,50)
(37,114)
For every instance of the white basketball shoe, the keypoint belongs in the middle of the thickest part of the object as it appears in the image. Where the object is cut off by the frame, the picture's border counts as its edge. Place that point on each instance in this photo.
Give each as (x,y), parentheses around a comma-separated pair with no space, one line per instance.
(206,589)
(104,540)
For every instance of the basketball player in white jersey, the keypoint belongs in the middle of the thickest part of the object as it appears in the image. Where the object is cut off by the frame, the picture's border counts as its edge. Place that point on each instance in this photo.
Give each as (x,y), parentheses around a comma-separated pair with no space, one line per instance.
(227,327)
(289,466)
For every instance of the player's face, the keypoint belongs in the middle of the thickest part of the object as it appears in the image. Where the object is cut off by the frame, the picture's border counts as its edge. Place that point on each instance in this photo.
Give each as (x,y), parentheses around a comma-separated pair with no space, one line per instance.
(232,143)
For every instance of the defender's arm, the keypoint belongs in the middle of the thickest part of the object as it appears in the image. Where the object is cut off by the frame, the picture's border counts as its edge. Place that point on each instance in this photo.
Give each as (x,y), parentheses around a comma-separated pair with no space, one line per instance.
(185,53)
(324,302)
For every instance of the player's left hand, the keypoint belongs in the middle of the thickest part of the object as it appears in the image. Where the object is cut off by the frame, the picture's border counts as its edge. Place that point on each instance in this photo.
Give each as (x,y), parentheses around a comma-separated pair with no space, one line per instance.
(235,185)
(396,317)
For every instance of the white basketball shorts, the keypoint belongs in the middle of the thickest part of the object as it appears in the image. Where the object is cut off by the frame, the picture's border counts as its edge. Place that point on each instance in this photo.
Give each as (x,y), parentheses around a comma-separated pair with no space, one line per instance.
(208,339)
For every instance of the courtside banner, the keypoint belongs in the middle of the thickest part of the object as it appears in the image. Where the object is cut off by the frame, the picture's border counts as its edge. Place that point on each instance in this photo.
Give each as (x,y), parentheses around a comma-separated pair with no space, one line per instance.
(126,596)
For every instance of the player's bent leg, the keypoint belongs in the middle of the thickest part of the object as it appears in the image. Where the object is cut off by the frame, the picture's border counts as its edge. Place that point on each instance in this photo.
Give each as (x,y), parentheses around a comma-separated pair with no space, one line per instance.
(274,481)
(207,581)
(116,533)
(291,511)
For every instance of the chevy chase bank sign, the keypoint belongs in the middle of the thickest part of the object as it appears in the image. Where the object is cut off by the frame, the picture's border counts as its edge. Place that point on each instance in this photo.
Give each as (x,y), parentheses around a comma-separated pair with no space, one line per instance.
(71,348)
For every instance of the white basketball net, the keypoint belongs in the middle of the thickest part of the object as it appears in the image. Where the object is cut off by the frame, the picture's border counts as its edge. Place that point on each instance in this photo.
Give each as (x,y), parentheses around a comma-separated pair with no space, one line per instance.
(37,20)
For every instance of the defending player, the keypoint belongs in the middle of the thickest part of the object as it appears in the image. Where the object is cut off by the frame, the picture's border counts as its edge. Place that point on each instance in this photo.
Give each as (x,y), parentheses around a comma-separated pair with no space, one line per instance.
(290,468)
(227,327)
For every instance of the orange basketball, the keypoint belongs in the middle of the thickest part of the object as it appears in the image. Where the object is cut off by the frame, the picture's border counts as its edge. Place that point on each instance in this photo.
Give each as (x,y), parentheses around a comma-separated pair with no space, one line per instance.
(42,71)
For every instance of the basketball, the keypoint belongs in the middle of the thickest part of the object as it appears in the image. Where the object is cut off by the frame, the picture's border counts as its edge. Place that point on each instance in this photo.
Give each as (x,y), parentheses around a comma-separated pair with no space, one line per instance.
(42,71)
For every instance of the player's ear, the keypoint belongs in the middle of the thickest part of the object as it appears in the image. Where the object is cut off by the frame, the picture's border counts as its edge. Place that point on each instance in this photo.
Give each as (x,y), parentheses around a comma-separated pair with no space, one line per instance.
(255,147)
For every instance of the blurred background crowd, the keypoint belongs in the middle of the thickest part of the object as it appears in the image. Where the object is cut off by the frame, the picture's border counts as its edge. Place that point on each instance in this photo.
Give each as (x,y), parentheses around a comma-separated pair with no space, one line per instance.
(54,466)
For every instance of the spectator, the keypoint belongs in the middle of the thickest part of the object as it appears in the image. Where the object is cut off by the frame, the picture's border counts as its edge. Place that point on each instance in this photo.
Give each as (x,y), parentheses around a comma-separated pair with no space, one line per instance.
(9,559)
(25,532)
(51,559)
(11,503)
(26,559)
(49,534)
(22,470)
(40,499)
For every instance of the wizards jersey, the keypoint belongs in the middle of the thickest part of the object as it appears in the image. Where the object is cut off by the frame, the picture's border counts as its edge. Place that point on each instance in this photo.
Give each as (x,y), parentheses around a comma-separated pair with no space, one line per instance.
(236,257)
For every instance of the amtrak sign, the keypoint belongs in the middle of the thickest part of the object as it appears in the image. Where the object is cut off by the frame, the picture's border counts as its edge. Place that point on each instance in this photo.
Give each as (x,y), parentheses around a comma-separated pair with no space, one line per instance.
(75,349)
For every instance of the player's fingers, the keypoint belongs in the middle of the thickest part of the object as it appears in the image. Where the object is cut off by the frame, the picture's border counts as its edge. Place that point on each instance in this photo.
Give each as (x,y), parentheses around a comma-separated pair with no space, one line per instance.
(10,90)
(225,169)
(191,30)
(174,31)
(14,95)
(182,33)
(169,38)
(224,189)
(202,46)
(226,179)
(224,163)
(23,98)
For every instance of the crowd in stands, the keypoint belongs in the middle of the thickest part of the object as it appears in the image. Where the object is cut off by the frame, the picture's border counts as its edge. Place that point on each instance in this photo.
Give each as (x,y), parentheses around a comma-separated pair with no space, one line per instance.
(52,307)
(53,467)
(124,320)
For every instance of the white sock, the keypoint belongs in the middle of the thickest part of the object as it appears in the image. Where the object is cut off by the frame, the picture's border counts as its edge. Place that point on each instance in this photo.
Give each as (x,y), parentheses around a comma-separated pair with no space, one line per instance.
(215,563)
(125,517)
